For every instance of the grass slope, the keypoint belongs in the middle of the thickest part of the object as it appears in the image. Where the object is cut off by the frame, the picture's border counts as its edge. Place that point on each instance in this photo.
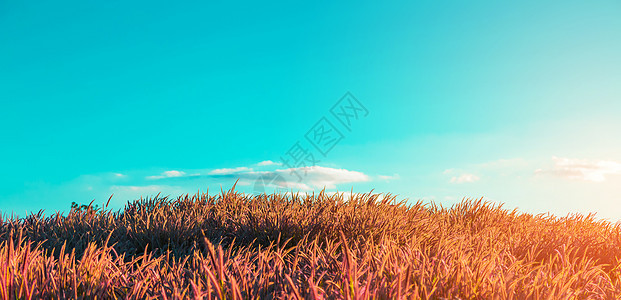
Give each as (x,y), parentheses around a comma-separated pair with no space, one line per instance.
(238,246)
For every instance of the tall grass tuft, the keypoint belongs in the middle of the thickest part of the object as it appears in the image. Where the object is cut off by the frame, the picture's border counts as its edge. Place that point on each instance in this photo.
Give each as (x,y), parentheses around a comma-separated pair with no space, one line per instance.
(319,246)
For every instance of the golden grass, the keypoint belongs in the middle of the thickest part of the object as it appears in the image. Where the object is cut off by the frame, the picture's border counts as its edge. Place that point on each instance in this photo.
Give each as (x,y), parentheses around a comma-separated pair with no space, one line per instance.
(236,246)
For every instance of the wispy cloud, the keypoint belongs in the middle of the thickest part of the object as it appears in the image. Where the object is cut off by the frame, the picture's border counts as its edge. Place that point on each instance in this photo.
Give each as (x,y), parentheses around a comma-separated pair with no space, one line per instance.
(167,174)
(582,169)
(463,178)
(228,171)
(389,177)
(317,176)
(268,163)
(302,178)
(458,176)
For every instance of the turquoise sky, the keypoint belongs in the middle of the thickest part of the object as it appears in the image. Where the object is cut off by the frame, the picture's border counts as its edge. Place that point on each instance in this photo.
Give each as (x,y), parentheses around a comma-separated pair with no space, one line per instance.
(517,103)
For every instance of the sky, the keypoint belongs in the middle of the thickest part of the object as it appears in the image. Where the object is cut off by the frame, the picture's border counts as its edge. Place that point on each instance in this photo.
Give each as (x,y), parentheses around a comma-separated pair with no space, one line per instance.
(515,103)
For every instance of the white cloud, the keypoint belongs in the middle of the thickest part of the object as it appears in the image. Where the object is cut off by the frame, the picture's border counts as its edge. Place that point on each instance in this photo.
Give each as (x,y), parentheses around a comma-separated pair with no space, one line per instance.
(244,183)
(460,177)
(327,177)
(491,170)
(167,174)
(448,171)
(227,171)
(582,169)
(315,177)
(463,178)
(174,173)
(291,185)
(389,177)
(302,178)
(268,163)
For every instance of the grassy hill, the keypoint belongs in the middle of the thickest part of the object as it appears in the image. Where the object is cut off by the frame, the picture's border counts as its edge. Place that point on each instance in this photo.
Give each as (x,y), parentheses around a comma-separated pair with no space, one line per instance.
(238,246)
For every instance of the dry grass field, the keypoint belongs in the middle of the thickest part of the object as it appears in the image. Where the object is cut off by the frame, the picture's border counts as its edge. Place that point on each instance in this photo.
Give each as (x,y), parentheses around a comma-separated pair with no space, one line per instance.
(276,246)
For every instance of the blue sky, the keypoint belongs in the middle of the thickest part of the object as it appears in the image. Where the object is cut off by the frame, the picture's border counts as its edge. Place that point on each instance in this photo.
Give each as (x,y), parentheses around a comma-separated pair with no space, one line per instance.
(517,103)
